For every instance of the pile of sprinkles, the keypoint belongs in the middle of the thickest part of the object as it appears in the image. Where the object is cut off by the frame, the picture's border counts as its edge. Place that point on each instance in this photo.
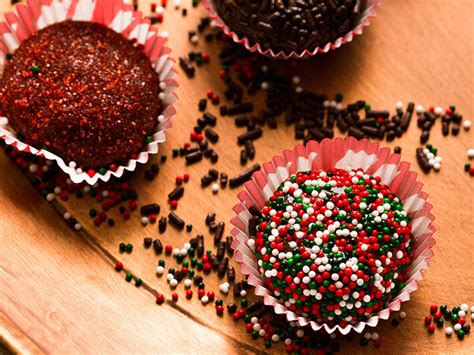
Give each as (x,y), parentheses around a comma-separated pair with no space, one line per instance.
(457,316)
(334,246)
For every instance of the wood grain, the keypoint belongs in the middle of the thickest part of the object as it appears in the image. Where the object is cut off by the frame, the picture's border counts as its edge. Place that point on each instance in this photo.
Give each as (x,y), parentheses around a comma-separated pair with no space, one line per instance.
(61,294)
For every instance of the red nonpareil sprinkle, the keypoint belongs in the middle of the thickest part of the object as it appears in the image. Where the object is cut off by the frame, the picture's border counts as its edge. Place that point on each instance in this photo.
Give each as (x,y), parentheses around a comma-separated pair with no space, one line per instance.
(210,94)
(201,293)
(431,328)
(186,177)
(189,294)
(153,7)
(215,100)
(174,296)
(168,249)
(211,295)
(126,214)
(205,57)
(159,17)
(174,204)
(63,196)
(133,205)
(207,267)
(118,266)
(428,320)
(433,309)
(160,298)
(179,180)
(220,310)
(437,316)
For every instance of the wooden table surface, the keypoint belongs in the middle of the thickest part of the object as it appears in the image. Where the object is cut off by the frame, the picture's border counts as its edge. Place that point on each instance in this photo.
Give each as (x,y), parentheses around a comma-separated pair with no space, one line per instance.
(60,293)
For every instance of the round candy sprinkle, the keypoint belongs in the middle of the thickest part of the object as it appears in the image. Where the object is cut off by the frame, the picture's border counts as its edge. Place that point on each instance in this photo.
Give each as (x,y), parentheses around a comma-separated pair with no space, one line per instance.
(448,331)
(335,246)
(118,266)
(160,298)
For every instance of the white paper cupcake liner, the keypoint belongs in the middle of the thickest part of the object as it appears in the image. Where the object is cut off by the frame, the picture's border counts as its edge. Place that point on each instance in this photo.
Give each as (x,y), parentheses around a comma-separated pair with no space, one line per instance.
(364,21)
(345,154)
(29,17)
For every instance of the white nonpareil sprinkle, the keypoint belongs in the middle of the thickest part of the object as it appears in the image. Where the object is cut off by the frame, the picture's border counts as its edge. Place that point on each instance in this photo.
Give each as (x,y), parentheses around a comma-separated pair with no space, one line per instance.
(438,111)
(188,283)
(470,153)
(33,168)
(67,216)
(50,197)
(160,270)
(402,315)
(173,283)
(399,106)
(224,288)
(448,330)
(204,299)
(419,109)
(215,188)
(464,307)
(467,125)
(457,326)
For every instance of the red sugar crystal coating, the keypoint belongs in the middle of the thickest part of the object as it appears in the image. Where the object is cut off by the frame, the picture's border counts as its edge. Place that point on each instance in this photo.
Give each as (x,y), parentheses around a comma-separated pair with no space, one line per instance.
(83,91)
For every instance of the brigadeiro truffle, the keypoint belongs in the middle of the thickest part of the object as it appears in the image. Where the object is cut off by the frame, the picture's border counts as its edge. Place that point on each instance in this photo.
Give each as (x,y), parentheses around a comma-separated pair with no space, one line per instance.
(334,245)
(83,92)
(292,27)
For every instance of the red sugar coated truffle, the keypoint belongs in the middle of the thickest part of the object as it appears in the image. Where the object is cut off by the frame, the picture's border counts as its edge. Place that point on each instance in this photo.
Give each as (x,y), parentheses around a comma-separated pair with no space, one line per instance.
(82,91)
(335,246)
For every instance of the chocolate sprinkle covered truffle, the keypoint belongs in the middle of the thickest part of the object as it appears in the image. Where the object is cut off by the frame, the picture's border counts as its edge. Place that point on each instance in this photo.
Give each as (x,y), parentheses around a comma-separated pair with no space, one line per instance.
(335,246)
(290,25)
(83,92)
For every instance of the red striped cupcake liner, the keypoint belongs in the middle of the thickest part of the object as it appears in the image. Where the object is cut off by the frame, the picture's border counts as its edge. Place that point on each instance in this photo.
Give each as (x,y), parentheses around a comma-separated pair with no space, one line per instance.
(369,12)
(344,154)
(33,15)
